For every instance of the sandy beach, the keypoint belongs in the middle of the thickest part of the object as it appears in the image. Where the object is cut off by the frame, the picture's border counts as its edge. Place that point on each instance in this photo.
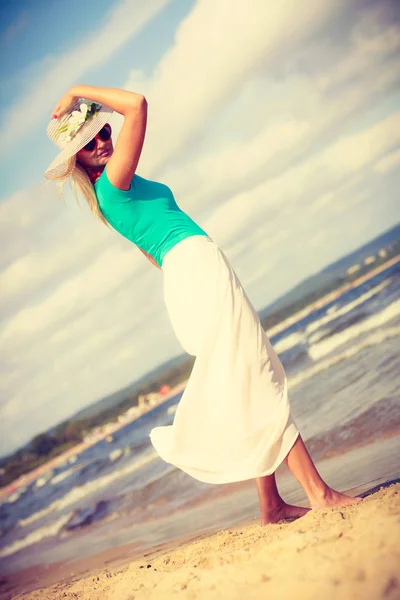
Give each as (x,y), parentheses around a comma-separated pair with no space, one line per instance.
(350,553)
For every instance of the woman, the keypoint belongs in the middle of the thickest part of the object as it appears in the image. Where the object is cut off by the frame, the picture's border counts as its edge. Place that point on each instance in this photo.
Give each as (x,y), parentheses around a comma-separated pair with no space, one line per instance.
(233,421)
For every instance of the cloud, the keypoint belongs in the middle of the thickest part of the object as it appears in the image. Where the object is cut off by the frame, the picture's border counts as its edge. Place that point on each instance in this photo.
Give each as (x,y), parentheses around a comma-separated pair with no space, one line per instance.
(388,162)
(216,50)
(67,272)
(374,39)
(56,73)
(301,184)
(353,152)
(281,141)
(266,123)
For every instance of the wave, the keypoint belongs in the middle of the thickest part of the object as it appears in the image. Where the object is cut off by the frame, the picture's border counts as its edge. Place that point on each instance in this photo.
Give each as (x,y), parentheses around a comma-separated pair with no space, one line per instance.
(86,516)
(15,496)
(36,536)
(295,358)
(41,481)
(35,516)
(161,491)
(334,311)
(116,454)
(297,338)
(294,349)
(84,490)
(377,337)
(326,346)
(61,476)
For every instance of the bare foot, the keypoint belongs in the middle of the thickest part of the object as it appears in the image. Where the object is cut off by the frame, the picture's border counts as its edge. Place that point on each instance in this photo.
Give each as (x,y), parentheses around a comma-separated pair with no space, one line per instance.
(282,512)
(330,498)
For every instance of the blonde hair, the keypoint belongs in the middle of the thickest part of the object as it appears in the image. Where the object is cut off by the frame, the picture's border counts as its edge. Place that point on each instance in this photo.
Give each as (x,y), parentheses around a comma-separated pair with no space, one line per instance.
(80,182)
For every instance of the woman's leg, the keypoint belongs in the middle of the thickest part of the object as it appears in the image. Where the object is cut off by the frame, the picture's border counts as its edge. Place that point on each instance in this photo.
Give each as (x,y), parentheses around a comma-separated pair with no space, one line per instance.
(318,492)
(272,506)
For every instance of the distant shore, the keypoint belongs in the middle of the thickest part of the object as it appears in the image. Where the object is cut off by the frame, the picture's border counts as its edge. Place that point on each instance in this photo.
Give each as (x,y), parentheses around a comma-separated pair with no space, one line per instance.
(331,296)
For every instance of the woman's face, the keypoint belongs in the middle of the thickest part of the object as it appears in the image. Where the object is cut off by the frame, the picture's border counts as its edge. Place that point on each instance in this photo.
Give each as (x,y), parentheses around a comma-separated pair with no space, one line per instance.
(99,156)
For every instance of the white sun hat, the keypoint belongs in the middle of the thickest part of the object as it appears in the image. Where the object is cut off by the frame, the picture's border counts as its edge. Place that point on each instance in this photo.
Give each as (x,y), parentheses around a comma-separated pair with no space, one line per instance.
(73,131)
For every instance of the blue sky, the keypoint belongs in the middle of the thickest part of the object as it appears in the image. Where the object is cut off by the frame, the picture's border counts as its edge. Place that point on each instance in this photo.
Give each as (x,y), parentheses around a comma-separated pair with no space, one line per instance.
(278,130)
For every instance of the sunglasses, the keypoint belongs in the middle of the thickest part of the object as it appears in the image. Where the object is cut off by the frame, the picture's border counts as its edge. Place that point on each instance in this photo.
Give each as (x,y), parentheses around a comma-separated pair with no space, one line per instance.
(104,134)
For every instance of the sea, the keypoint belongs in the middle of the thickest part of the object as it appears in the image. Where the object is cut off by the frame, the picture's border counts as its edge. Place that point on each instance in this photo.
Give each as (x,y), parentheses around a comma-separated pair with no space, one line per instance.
(343,367)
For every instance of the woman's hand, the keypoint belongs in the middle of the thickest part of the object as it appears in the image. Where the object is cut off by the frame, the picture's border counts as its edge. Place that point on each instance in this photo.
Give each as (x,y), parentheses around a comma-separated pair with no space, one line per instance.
(62,106)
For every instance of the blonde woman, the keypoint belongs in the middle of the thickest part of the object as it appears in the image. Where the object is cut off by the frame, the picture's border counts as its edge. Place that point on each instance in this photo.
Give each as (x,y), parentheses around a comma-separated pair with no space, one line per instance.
(233,421)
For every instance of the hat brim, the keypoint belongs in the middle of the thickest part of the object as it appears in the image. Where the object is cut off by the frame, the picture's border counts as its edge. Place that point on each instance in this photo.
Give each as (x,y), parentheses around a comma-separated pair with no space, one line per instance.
(86,133)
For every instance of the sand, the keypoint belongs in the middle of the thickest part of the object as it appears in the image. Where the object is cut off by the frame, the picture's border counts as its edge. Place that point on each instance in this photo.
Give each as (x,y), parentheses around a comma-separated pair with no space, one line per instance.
(350,553)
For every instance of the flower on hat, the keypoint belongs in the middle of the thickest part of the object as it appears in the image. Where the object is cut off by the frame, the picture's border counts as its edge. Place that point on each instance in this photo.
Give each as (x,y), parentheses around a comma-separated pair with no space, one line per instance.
(76,119)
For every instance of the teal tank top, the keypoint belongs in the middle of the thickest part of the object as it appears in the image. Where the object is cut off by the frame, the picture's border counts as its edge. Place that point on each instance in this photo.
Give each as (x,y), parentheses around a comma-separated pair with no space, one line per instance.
(146,214)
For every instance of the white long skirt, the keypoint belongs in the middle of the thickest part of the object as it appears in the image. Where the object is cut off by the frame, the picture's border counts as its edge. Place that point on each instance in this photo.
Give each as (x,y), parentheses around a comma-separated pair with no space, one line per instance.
(233,421)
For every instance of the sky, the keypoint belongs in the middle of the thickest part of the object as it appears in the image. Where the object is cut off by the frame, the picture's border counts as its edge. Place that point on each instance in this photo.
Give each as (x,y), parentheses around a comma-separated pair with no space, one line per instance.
(276,126)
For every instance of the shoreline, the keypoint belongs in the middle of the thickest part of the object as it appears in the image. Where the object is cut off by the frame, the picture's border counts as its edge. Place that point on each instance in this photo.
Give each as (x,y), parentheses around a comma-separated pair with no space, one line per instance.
(31,476)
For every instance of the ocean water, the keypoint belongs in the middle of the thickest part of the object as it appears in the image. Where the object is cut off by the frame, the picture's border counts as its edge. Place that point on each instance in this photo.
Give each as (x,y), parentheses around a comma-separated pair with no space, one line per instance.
(343,368)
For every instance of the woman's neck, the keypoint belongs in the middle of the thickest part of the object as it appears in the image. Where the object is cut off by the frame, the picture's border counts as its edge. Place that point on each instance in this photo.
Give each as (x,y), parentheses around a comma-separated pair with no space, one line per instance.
(94,175)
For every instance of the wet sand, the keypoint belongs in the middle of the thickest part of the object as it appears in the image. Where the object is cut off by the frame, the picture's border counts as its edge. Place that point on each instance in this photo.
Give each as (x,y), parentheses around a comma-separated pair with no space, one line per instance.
(344,553)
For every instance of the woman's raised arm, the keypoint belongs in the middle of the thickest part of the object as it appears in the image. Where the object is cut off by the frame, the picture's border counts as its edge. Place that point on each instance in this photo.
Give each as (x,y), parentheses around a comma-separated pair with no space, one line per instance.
(119,100)
(123,163)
